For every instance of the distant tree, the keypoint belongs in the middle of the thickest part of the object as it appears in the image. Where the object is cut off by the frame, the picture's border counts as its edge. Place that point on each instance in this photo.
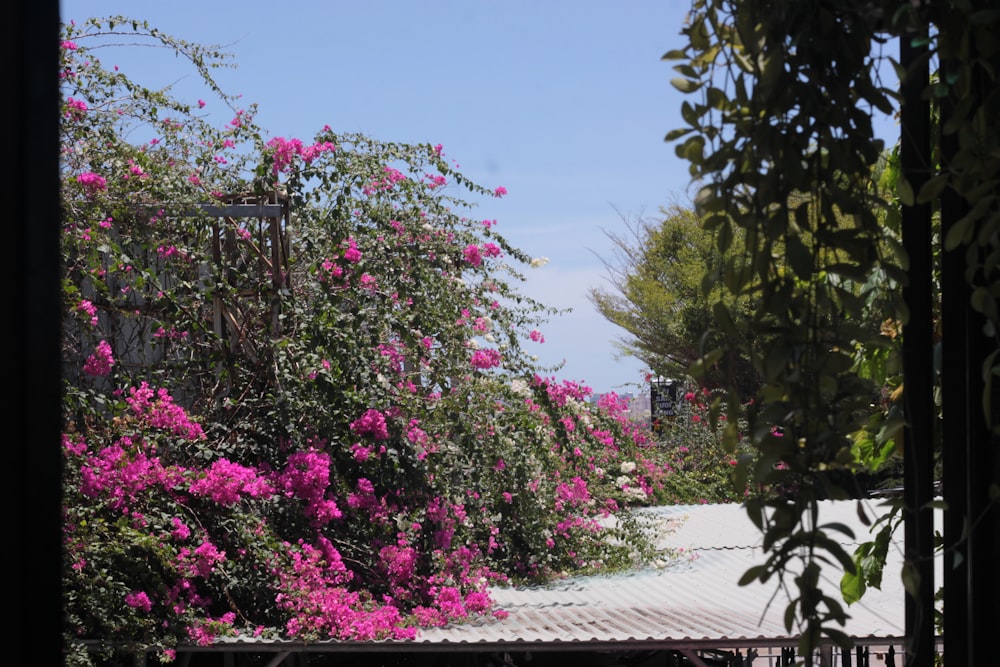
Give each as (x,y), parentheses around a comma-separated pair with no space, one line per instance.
(667,273)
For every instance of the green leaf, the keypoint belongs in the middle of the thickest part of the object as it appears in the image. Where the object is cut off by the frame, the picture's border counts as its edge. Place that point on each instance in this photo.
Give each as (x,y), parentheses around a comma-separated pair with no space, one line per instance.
(716,98)
(724,319)
(685,85)
(985,303)
(852,584)
(911,579)
(932,189)
(958,233)
(905,191)
(694,149)
(963,230)
(674,135)
(790,616)
(753,574)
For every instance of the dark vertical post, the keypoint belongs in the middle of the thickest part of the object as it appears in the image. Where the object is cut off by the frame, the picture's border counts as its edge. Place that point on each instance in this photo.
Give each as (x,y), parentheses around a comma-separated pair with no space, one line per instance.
(982,448)
(955,407)
(918,351)
(31,45)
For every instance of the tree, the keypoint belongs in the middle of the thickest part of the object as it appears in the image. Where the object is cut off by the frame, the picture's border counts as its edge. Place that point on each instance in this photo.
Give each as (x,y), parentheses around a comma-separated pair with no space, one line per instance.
(298,400)
(666,278)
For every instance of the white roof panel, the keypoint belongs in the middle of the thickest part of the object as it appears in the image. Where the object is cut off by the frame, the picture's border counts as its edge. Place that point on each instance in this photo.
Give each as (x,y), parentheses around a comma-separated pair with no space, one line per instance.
(694,601)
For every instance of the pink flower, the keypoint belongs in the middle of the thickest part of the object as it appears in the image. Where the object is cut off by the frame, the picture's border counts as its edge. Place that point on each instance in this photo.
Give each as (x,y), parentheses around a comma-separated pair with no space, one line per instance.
(92,183)
(158,410)
(352,254)
(75,108)
(483,359)
(360,452)
(138,600)
(473,255)
(180,532)
(373,423)
(100,362)
(500,192)
(85,306)
(225,482)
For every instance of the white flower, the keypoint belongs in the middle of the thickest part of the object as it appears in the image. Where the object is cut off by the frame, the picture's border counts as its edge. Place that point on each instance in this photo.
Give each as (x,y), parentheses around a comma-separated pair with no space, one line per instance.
(539,262)
(627,466)
(635,492)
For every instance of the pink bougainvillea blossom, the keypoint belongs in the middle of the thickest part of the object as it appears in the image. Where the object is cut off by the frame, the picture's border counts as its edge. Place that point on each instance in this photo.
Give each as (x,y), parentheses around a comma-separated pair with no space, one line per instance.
(101,361)
(483,359)
(157,409)
(352,254)
(286,151)
(473,255)
(372,422)
(92,183)
(139,600)
(226,482)
(89,309)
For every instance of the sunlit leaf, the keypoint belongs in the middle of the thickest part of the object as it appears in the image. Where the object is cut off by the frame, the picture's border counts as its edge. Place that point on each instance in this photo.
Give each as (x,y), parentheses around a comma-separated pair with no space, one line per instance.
(905,191)
(685,85)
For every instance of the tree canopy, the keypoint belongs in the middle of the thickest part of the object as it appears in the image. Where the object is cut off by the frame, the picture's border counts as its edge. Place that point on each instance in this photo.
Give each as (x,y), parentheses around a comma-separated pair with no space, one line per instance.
(666,276)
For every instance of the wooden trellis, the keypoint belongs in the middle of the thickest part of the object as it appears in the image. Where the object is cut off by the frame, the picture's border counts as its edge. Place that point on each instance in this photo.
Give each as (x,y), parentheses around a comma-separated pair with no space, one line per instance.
(270,242)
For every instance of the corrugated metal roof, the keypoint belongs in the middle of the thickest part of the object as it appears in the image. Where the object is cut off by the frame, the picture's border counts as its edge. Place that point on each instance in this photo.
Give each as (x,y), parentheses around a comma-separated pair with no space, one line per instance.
(692,602)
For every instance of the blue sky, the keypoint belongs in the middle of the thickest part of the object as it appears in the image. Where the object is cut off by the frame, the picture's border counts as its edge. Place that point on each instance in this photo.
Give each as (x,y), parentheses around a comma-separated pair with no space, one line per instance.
(563,102)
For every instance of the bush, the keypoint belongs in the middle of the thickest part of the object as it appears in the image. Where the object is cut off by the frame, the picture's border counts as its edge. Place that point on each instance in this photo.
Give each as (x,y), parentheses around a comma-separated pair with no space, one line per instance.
(319,423)
(691,447)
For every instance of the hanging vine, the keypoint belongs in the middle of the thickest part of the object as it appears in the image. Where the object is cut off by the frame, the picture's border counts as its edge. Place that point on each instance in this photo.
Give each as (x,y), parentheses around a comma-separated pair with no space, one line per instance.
(780,139)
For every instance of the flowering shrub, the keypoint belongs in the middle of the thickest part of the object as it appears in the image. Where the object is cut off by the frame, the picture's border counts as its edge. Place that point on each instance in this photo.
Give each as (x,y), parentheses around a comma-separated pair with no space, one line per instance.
(341,437)
(701,468)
